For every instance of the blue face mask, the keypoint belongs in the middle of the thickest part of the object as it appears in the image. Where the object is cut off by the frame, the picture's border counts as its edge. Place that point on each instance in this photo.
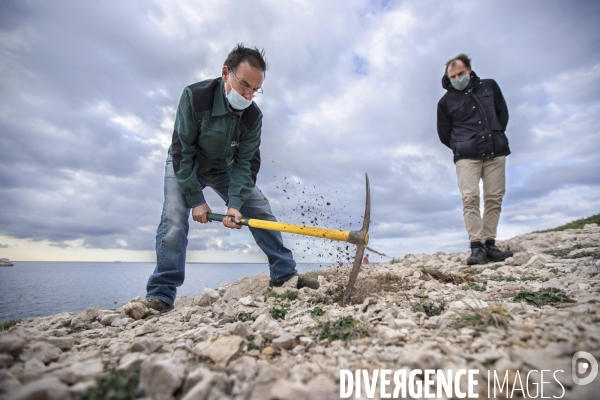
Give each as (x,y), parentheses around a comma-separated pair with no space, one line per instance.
(236,100)
(461,82)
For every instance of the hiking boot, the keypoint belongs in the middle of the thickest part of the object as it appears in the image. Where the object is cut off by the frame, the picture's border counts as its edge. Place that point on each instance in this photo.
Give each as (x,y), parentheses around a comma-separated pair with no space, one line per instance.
(478,254)
(308,282)
(495,254)
(159,305)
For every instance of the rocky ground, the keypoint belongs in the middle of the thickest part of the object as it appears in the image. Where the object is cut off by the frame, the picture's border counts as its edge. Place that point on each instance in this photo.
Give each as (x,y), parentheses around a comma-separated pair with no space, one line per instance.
(242,341)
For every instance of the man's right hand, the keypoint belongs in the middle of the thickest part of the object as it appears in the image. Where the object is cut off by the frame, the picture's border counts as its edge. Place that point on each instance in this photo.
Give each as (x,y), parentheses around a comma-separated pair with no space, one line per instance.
(199,213)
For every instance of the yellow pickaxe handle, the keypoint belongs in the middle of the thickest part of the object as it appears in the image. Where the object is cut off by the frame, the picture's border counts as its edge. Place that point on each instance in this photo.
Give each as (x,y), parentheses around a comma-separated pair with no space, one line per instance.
(325,233)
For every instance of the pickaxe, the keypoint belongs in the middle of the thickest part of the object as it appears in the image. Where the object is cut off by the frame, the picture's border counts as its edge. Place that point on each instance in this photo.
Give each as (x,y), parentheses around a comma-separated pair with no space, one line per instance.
(359,238)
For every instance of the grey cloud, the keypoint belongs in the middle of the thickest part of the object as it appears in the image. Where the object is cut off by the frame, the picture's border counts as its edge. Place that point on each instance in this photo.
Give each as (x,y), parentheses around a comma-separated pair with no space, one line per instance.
(342,97)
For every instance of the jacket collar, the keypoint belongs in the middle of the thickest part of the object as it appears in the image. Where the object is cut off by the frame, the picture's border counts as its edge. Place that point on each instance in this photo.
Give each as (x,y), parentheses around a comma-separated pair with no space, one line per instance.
(219,101)
(446,84)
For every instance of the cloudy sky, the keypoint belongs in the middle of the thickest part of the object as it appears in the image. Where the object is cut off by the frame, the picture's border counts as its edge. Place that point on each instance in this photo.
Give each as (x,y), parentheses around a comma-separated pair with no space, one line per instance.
(88,91)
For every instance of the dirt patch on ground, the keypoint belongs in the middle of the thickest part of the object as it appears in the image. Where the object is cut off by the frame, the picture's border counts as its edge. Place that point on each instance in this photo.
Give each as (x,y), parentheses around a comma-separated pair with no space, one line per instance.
(457,279)
(368,286)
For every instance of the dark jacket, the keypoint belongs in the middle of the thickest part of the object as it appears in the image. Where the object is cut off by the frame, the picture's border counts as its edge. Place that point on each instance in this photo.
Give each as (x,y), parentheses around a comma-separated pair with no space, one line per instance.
(472,121)
(209,139)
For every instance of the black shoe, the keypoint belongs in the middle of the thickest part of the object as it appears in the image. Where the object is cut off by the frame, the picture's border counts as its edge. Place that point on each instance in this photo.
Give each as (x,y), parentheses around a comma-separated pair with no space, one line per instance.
(159,305)
(275,284)
(308,282)
(478,254)
(495,254)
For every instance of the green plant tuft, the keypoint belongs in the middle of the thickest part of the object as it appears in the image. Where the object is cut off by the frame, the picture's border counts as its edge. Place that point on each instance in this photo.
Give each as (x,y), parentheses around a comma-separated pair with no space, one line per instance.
(488,363)
(342,329)
(480,319)
(279,312)
(115,386)
(245,316)
(430,308)
(564,253)
(317,312)
(542,297)
(6,325)
(477,287)
(252,346)
(291,295)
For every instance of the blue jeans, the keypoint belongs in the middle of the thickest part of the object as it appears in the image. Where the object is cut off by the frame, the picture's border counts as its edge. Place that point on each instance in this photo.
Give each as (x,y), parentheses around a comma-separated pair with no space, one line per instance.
(171,235)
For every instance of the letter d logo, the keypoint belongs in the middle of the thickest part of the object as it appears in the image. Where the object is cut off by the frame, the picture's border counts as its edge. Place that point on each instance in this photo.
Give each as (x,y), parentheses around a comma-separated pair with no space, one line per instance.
(583,364)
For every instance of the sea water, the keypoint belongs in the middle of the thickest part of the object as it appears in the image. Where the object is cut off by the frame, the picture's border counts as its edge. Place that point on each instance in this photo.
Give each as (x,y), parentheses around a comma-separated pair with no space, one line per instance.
(39,289)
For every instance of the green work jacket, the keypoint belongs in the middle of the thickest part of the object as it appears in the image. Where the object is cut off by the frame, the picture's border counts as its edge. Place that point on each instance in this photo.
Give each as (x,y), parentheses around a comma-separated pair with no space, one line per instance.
(210,139)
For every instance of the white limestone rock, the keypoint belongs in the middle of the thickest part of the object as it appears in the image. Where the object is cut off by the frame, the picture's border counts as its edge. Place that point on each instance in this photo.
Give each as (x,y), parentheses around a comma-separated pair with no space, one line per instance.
(285,341)
(43,351)
(223,349)
(131,362)
(161,375)
(11,344)
(47,388)
(209,296)
(240,329)
(145,345)
(135,308)
(255,285)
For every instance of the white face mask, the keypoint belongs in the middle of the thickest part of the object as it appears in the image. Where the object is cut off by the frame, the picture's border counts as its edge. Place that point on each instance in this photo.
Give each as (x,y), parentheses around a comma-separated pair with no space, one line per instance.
(461,82)
(236,100)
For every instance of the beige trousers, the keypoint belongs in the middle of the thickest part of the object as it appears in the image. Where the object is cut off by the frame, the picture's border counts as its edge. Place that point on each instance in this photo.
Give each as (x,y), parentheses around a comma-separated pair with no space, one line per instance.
(469,173)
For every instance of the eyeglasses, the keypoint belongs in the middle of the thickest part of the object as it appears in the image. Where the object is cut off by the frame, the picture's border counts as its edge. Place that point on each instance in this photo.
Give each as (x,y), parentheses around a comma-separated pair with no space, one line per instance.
(247,89)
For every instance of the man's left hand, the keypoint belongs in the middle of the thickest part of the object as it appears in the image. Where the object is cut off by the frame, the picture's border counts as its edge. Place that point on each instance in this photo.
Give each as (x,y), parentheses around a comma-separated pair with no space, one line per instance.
(229,223)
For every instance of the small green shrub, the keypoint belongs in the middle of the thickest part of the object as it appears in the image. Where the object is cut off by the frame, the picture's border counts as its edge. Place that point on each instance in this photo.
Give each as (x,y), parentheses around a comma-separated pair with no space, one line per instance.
(477,287)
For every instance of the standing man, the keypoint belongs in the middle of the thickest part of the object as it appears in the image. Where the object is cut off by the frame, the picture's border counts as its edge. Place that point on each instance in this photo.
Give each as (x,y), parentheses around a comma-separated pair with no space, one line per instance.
(216,143)
(471,120)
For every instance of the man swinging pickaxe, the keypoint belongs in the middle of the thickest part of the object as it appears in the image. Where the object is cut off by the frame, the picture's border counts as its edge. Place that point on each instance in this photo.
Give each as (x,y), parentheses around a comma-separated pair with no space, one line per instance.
(359,238)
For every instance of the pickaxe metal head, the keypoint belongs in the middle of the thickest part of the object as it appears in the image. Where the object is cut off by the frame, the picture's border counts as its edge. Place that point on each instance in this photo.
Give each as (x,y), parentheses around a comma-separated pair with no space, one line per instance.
(361,239)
